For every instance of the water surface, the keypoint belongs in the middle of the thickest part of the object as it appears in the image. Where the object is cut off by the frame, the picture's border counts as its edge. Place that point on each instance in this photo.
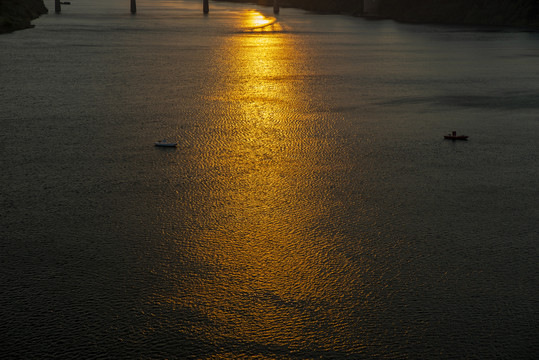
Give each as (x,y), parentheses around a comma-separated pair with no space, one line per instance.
(311,210)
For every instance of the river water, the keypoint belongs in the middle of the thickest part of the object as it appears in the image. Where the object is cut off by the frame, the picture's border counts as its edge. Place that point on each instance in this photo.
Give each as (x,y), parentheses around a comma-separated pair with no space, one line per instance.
(312,209)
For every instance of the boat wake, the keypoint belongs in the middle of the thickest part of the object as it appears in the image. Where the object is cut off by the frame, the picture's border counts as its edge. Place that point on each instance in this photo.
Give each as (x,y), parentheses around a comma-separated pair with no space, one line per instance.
(270,21)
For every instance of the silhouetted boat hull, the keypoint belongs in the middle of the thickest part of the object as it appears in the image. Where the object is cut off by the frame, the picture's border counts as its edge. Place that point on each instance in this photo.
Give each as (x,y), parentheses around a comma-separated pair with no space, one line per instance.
(454,136)
(164,143)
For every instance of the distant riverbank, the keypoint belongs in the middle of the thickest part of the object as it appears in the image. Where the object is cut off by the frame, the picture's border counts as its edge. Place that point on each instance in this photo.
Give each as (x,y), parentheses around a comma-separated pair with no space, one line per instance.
(518,13)
(18,14)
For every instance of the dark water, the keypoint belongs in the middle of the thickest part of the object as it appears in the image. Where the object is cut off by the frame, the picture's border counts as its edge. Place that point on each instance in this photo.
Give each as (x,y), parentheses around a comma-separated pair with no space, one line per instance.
(312,209)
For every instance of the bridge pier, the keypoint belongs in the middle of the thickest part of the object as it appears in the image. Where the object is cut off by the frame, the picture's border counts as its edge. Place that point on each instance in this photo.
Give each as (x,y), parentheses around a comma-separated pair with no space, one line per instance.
(275,6)
(133,6)
(205,6)
(57,6)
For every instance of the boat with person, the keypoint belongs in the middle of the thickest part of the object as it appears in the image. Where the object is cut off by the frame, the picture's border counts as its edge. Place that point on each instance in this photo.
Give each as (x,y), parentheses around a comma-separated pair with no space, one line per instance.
(165,143)
(454,136)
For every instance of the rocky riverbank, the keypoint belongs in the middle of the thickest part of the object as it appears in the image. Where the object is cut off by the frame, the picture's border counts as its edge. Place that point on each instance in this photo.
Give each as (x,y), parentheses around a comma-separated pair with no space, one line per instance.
(520,13)
(18,14)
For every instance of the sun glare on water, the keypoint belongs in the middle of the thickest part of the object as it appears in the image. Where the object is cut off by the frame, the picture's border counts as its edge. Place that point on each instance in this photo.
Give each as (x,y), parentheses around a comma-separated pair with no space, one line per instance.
(255,21)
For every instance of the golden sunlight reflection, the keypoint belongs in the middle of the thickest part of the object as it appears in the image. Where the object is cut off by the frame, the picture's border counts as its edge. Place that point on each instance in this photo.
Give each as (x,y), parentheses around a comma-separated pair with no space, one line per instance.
(267,267)
(255,21)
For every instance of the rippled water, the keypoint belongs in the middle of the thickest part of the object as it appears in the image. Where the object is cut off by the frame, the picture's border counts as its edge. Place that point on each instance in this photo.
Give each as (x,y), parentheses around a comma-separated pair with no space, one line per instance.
(311,210)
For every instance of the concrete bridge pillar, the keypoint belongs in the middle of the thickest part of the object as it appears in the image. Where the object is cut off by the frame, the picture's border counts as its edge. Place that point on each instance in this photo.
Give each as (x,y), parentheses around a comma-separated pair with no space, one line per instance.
(275,6)
(57,6)
(133,6)
(205,6)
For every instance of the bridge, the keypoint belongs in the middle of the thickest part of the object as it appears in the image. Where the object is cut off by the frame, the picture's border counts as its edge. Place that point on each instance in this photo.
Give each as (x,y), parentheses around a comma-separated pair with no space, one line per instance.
(205,6)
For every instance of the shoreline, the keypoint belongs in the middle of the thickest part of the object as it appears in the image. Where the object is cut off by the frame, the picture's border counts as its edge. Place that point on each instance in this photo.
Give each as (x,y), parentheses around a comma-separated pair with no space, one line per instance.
(522,14)
(18,15)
